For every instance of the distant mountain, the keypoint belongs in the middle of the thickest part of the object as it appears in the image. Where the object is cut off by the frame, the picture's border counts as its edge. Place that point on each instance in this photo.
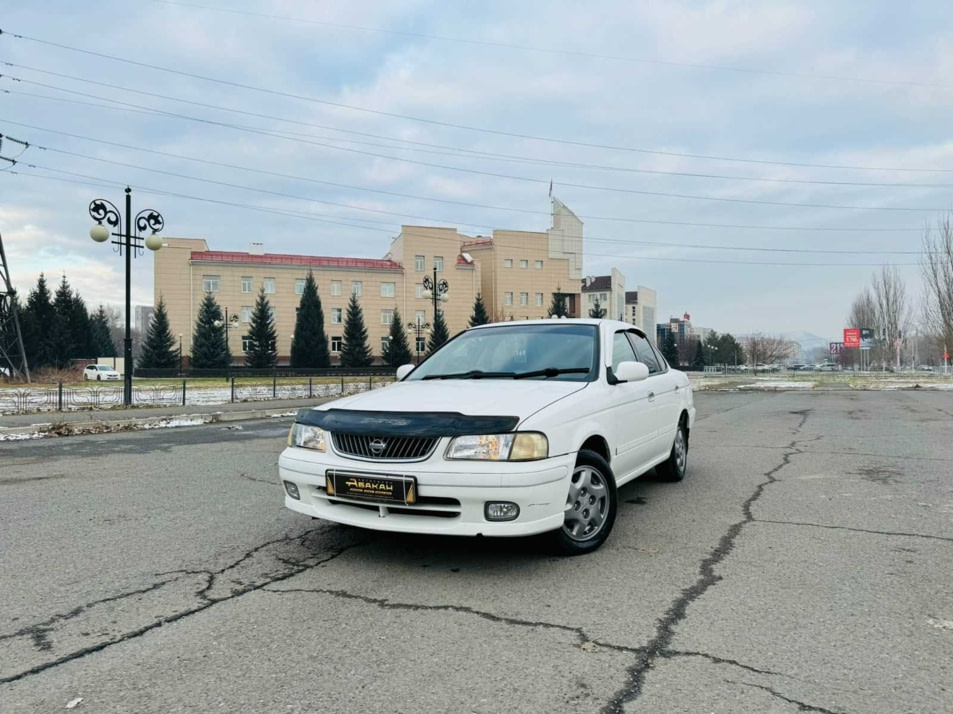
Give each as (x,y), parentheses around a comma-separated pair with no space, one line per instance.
(807,340)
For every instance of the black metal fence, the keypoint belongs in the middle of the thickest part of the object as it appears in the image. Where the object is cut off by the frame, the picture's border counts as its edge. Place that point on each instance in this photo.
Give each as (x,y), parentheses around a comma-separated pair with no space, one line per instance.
(181,393)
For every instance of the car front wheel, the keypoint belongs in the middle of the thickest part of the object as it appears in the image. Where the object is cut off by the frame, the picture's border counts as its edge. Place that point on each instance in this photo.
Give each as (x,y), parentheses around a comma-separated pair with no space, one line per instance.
(590,506)
(674,468)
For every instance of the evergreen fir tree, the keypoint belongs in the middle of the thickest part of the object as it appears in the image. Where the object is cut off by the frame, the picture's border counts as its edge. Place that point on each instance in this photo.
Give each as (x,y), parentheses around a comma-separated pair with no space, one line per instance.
(438,333)
(355,351)
(309,348)
(597,311)
(479,316)
(670,349)
(713,348)
(558,306)
(698,361)
(262,350)
(101,341)
(398,349)
(80,329)
(60,333)
(159,349)
(209,348)
(37,320)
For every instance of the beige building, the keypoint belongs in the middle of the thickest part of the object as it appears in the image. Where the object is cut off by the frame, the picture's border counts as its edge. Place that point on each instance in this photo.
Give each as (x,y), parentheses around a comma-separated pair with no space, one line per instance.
(641,310)
(517,273)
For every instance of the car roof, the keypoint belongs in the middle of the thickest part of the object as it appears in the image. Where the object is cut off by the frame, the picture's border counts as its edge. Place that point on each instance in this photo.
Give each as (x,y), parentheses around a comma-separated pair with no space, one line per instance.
(612,325)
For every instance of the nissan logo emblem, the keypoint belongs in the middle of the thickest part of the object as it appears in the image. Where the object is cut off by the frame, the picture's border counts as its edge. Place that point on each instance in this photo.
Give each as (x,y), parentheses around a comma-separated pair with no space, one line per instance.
(378,446)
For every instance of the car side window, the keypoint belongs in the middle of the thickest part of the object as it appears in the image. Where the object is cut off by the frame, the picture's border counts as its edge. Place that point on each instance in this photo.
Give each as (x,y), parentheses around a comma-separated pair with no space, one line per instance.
(644,353)
(658,358)
(621,350)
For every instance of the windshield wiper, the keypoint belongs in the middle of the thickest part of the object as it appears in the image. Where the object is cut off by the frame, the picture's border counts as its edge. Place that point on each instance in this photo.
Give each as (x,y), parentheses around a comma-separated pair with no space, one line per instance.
(472,374)
(552,372)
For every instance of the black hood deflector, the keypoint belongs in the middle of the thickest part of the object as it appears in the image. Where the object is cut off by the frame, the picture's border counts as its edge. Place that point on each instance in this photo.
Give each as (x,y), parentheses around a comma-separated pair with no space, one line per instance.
(418,424)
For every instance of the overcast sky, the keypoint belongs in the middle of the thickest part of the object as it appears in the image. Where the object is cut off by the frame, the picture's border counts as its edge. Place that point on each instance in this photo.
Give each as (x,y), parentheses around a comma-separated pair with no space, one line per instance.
(858,84)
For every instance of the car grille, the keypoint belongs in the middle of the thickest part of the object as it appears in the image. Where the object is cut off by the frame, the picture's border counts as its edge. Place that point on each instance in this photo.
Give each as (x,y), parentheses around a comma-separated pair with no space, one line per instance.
(384,448)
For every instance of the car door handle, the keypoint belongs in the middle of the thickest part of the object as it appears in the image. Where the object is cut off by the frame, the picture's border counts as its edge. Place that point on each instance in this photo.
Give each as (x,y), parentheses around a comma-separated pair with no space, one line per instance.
(651,396)
(676,389)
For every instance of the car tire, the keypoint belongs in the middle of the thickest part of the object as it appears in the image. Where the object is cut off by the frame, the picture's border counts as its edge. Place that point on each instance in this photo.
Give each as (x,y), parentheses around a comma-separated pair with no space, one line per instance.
(592,493)
(675,467)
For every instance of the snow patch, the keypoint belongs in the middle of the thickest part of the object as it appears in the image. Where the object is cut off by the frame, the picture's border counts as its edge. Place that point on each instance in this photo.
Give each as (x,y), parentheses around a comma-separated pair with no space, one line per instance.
(777,384)
(173,423)
(21,437)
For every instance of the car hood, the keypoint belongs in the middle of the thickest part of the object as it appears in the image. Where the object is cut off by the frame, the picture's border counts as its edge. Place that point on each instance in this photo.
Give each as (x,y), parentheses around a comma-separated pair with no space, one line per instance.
(472,397)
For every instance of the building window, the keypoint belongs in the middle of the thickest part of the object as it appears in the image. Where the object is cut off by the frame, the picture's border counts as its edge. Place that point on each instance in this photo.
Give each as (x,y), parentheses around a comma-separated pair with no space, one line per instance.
(247,284)
(507,298)
(592,298)
(603,297)
(421,317)
(508,263)
(388,289)
(418,263)
(210,283)
(418,290)
(246,313)
(299,286)
(421,344)
(336,315)
(385,342)
(524,298)
(387,317)
(269,285)
(538,265)
(539,299)
(357,288)
(438,263)
(246,343)
(335,287)
(336,344)
(524,263)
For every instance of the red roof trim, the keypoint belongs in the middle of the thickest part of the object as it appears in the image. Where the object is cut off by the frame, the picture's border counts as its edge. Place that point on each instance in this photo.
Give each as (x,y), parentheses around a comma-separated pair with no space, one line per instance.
(314,261)
(485,243)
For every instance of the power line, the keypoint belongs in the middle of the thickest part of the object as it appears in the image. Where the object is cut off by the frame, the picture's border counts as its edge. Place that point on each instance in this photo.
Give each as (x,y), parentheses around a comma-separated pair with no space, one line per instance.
(553,51)
(471,152)
(511,177)
(305,179)
(452,125)
(94,181)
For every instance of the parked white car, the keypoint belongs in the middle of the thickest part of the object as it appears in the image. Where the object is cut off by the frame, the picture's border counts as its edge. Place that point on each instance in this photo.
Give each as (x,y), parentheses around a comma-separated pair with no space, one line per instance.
(510,429)
(100,372)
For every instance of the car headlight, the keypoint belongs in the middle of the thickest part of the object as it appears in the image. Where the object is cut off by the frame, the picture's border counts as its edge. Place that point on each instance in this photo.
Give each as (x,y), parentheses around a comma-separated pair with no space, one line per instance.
(307,437)
(525,446)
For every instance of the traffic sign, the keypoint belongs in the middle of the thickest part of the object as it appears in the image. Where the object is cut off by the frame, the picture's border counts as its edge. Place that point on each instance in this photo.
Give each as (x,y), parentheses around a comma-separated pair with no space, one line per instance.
(851,337)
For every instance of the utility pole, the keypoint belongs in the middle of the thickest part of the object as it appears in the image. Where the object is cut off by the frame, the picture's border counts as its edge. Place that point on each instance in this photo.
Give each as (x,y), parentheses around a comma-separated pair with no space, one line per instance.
(12,350)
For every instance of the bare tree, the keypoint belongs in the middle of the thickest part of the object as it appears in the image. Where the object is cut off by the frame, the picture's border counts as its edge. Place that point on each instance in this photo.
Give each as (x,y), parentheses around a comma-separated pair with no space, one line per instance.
(937,264)
(766,349)
(892,311)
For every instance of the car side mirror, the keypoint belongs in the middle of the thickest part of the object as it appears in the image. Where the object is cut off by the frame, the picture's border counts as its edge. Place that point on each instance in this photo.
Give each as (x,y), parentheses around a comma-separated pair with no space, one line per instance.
(404,370)
(631,372)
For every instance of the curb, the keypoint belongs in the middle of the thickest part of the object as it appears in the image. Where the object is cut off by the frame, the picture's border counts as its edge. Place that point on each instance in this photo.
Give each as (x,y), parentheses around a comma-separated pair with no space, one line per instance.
(110,426)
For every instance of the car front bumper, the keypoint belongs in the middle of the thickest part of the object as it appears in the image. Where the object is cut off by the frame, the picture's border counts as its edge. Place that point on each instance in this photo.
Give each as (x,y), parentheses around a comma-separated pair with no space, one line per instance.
(451,495)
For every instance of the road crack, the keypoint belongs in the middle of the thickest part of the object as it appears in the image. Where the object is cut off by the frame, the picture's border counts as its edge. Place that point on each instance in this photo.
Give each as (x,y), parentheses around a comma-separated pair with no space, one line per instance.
(386,604)
(855,530)
(670,654)
(207,603)
(802,706)
(677,611)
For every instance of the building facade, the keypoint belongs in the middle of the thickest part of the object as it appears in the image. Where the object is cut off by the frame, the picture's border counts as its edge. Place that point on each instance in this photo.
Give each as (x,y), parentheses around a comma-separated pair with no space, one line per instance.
(515,271)
(608,291)
(641,309)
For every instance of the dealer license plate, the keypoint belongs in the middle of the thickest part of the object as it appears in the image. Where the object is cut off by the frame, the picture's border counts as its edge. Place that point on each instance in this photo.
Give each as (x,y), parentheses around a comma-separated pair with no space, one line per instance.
(384,489)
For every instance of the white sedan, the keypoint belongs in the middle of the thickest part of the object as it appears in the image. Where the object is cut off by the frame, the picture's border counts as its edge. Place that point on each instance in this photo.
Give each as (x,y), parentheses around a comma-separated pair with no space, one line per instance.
(509,429)
(100,372)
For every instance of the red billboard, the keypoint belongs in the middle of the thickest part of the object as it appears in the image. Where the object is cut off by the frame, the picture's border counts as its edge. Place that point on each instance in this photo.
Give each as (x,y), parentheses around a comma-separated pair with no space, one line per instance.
(852,337)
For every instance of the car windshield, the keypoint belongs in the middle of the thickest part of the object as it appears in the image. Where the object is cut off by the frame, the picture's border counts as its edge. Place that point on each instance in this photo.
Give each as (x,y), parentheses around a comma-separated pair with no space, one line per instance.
(537,351)
(103,368)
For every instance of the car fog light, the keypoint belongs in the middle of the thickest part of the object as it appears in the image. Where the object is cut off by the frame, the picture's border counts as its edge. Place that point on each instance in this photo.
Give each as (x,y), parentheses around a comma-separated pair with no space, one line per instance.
(501,511)
(292,490)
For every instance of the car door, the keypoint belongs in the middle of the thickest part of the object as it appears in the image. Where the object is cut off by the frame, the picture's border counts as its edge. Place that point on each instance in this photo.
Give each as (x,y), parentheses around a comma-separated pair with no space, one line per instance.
(630,420)
(664,395)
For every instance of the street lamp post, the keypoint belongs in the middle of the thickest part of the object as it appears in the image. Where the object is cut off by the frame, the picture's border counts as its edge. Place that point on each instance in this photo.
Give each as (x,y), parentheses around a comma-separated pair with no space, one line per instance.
(437,290)
(418,327)
(102,210)
(180,353)
(233,322)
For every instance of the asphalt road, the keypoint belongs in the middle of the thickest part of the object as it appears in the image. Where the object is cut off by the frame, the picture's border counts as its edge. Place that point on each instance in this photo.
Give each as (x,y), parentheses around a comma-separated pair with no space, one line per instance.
(805,564)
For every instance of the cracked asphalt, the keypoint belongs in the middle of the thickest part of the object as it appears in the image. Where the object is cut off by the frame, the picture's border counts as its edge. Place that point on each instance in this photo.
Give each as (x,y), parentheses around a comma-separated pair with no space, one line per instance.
(804,565)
